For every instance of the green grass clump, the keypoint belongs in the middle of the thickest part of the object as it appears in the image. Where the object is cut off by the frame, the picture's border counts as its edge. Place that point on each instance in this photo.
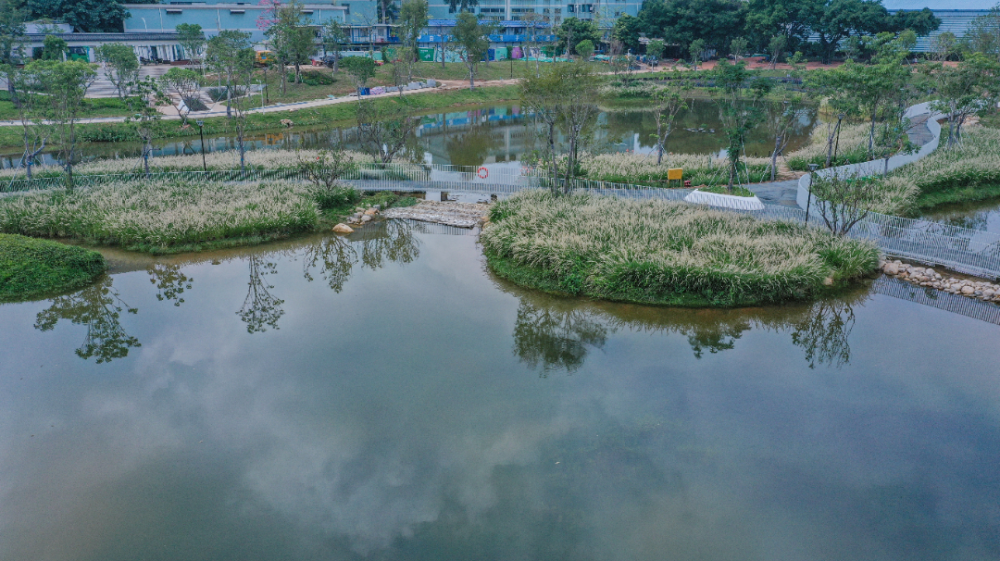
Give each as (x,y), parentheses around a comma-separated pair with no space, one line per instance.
(738,191)
(661,252)
(159,215)
(968,171)
(30,268)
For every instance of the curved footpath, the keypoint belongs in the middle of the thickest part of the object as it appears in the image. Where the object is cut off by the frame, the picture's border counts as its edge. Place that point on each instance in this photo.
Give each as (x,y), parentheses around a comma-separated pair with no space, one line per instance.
(964,250)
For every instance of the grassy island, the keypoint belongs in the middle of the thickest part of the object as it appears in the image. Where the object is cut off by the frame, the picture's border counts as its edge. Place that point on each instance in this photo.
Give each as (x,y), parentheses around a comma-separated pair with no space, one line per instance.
(659,252)
(31,268)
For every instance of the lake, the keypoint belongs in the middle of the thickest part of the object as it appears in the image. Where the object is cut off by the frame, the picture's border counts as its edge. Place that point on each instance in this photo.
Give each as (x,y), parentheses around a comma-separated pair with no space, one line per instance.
(385,397)
(482,135)
(980,215)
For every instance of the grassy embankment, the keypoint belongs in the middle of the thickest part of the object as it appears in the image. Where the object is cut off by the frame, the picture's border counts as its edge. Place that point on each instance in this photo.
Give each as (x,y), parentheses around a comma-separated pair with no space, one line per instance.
(174,216)
(10,137)
(658,252)
(32,268)
(92,108)
(967,172)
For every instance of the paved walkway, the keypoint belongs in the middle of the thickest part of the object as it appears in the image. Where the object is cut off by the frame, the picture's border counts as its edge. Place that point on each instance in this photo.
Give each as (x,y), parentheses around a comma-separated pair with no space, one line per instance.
(219,109)
(784,192)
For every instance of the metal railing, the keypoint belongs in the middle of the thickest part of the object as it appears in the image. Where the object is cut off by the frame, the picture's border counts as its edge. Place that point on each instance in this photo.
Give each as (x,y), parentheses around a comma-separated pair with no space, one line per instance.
(963,305)
(960,249)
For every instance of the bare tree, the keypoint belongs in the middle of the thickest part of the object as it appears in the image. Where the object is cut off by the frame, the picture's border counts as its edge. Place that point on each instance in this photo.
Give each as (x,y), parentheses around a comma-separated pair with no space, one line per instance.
(384,130)
(781,112)
(31,111)
(260,308)
(668,103)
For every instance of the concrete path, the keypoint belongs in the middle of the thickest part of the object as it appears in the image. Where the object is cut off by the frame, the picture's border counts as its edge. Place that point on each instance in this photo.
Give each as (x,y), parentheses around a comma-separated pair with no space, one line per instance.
(219,109)
(784,192)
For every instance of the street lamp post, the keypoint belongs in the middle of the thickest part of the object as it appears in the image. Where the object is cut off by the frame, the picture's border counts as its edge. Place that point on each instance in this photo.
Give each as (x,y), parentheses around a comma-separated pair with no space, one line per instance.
(809,199)
(201,133)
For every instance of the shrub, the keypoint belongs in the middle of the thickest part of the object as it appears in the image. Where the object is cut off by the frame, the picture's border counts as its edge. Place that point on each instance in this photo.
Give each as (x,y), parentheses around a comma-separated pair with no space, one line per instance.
(337,197)
(664,252)
(852,148)
(314,78)
(218,94)
(31,268)
(195,104)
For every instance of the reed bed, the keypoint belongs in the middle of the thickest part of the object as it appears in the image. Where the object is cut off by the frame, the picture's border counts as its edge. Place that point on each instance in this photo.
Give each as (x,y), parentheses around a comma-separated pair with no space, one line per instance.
(664,252)
(969,171)
(224,160)
(158,215)
(642,169)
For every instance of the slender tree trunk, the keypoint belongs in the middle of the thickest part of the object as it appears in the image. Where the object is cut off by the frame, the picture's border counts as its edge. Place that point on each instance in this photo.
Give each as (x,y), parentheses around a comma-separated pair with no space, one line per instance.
(659,145)
(239,139)
(229,97)
(871,138)
(835,133)
(774,157)
(552,155)
(12,91)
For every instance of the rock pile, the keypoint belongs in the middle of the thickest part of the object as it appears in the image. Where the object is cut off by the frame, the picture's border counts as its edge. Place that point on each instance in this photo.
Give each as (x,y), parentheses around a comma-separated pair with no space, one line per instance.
(926,276)
(461,215)
(364,215)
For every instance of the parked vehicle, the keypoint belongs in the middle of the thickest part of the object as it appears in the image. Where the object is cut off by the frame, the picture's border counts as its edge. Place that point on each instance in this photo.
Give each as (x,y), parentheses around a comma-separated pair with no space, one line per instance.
(263,58)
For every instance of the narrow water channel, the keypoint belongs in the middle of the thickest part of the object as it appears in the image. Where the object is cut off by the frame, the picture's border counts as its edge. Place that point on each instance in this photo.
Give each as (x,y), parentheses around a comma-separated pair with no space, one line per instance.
(479,135)
(384,397)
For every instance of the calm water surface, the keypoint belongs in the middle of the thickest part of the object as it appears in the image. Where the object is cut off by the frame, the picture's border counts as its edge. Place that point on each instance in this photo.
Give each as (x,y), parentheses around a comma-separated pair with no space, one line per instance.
(982,215)
(385,398)
(485,134)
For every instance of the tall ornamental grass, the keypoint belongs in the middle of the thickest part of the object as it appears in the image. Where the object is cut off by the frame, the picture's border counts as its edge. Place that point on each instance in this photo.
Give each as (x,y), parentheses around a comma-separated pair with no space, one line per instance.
(161,214)
(664,252)
(642,169)
(224,160)
(969,171)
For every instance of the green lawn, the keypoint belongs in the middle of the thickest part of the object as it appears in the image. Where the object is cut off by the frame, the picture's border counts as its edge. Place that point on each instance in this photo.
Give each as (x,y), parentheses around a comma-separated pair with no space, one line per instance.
(93,107)
(32,268)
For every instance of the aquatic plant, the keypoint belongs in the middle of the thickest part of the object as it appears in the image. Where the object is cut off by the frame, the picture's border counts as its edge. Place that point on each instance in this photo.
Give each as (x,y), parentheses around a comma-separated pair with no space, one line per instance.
(664,252)
(642,169)
(162,213)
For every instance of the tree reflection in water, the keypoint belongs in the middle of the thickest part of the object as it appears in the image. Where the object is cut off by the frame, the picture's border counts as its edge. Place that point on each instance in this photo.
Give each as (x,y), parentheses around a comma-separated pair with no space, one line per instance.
(472,147)
(260,308)
(558,333)
(99,308)
(372,246)
(556,338)
(824,332)
(170,282)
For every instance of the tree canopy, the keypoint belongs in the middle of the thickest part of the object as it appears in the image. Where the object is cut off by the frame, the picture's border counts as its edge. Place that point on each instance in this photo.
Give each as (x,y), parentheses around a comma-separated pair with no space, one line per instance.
(92,16)
(776,26)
